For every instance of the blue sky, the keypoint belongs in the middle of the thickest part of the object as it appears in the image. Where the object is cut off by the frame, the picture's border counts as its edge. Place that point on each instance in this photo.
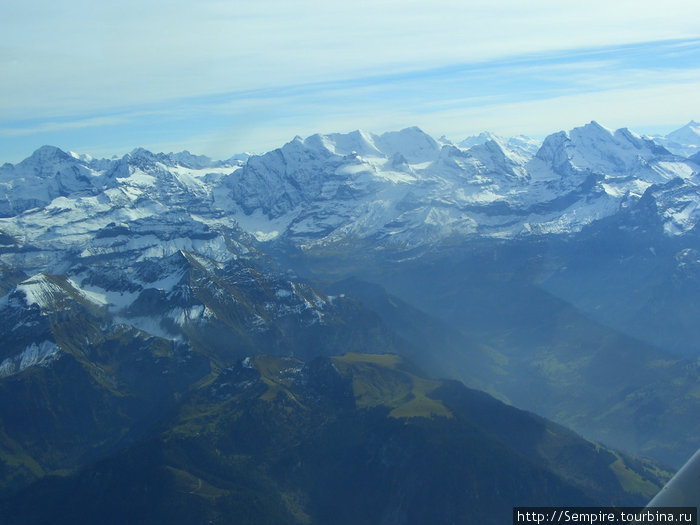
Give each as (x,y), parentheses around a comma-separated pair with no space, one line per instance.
(221,77)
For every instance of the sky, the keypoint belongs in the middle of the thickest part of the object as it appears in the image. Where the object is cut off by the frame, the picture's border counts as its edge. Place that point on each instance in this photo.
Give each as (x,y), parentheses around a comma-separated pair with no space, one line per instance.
(222,77)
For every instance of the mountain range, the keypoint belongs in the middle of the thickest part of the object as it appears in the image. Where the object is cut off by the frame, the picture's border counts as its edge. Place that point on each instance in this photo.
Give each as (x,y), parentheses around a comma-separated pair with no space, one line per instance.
(561,277)
(400,189)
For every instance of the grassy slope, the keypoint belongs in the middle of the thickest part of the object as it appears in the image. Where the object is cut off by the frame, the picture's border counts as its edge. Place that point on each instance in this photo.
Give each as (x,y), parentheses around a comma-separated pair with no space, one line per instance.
(357,438)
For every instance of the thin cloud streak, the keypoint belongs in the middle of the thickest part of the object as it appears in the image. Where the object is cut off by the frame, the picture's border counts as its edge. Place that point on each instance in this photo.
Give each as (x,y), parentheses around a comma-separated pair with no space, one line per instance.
(133,74)
(55,126)
(96,54)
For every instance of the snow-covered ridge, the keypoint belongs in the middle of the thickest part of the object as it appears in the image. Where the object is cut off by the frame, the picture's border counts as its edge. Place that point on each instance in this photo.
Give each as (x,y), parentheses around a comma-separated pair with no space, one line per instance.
(684,141)
(42,354)
(407,188)
(185,299)
(47,292)
(399,189)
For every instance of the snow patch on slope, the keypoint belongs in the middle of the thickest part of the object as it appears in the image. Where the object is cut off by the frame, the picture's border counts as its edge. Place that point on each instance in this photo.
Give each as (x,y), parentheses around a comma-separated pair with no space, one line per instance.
(45,291)
(42,354)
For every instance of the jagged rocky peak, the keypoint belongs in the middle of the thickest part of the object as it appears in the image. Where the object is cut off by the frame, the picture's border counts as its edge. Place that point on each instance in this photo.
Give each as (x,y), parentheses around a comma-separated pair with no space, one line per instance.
(594,137)
(596,149)
(444,141)
(295,152)
(171,268)
(54,293)
(688,134)
(48,173)
(684,141)
(356,142)
(48,162)
(520,146)
(591,131)
(641,143)
(476,140)
(141,153)
(49,154)
(81,156)
(492,146)
(413,143)
(524,145)
(188,160)
(554,148)
(591,137)
(144,159)
(277,182)
(238,159)
(496,158)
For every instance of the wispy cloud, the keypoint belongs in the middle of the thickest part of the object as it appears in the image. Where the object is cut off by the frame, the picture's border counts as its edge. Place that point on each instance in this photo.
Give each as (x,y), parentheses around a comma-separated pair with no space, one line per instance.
(58,126)
(141,73)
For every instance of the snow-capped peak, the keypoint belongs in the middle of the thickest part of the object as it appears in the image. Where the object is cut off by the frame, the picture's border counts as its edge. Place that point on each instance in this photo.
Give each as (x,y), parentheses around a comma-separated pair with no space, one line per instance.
(497,158)
(84,157)
(594,148)
(521,146)
(688,134)
(402,187)
(50,292)
(412,143)
(46,154)
(476,140)
(684,141)
(356,142)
